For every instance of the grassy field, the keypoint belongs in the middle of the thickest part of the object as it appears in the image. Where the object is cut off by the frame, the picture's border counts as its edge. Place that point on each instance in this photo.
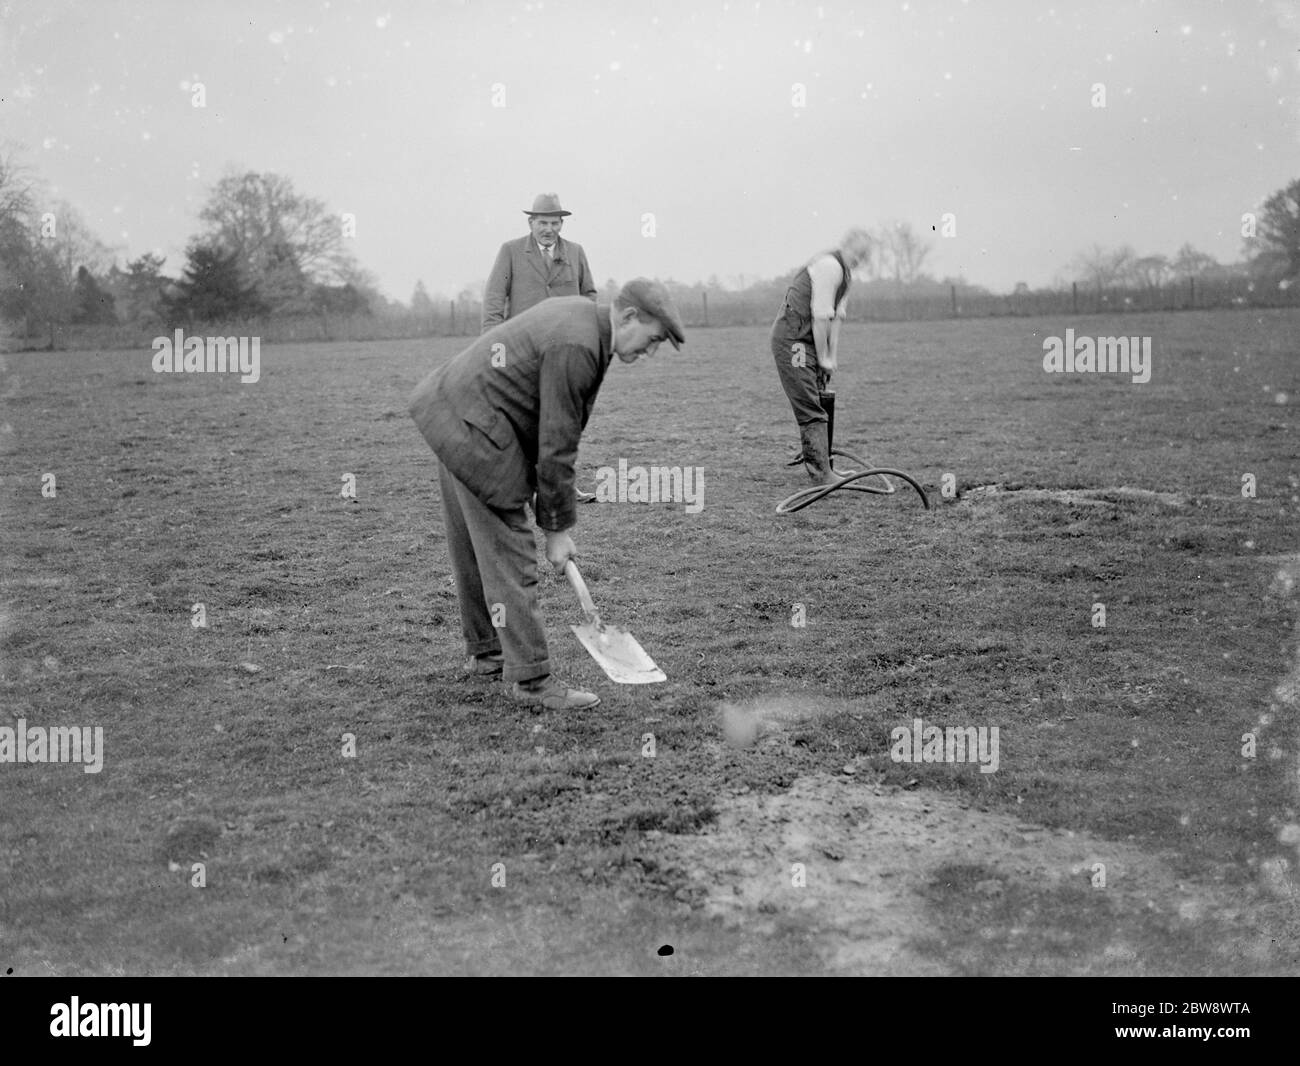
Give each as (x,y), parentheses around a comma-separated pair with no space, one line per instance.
(1121,746)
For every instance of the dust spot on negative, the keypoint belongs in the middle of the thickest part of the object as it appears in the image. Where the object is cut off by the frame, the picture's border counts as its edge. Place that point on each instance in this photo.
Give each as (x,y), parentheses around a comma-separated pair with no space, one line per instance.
(667,949)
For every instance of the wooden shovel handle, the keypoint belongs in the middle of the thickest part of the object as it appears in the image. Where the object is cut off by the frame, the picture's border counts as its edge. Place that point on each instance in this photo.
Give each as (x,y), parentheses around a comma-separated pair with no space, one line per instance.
(580,587)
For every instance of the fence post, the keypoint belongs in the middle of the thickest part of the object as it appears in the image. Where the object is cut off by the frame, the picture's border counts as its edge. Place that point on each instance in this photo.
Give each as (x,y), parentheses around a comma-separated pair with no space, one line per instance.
(1074,288)
(954,300)
(1191,287)
(453,318)
(704,298)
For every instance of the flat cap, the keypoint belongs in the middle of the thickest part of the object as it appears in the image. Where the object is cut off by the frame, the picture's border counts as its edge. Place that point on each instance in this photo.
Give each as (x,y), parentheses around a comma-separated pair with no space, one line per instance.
(652,298)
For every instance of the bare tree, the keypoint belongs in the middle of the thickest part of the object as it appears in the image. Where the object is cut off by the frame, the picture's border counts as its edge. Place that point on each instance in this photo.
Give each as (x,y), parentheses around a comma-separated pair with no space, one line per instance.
(1190,263)
(75,244)
(1150,272)
(882,258)
(877,264)
(17,214)
(902,252)
(16,190)
(43,247)
(284,241)
(364,281)
(910,250)
(1101,267)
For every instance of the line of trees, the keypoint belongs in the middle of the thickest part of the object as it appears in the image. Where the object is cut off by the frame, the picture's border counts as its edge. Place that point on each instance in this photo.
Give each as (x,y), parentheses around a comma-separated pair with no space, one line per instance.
(266,251)
(50,261)
(1270,256)
(894,273)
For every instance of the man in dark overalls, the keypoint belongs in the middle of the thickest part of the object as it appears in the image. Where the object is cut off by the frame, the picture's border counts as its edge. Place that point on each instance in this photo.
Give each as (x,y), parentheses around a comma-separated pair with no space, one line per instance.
(805,344)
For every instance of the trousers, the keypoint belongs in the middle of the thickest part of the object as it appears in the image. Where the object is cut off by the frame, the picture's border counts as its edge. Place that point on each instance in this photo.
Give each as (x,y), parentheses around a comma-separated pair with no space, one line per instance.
(494,562)
(803,384)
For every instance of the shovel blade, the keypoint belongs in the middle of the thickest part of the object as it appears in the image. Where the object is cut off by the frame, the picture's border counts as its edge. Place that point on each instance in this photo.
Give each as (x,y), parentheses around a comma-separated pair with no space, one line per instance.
(619,655)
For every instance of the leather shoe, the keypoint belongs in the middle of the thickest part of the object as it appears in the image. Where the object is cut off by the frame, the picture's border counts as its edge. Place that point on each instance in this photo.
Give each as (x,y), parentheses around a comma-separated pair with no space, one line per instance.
(484,665)
(554,695)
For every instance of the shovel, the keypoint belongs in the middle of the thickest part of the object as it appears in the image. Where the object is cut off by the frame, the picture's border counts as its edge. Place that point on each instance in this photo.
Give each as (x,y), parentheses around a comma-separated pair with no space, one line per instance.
(619,655)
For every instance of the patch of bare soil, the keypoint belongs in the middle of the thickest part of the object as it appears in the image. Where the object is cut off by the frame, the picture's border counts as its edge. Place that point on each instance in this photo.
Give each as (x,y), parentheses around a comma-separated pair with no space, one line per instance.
(1118,494)
(874,874)
(861,867)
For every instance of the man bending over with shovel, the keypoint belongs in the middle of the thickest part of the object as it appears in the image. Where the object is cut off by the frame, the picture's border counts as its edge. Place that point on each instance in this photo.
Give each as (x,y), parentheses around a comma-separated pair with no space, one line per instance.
(806,341)
(504,418)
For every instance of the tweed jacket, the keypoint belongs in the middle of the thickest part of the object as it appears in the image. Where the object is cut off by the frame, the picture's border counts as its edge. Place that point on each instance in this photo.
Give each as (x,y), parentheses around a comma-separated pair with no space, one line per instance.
(506,414)
(522,278)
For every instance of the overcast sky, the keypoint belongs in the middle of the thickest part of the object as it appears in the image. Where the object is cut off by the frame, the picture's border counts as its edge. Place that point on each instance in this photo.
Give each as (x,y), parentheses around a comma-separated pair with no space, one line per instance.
(682,110)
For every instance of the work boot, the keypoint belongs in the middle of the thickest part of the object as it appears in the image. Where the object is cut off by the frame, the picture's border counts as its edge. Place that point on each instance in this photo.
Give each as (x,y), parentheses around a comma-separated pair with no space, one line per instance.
(816,459)
(553,694)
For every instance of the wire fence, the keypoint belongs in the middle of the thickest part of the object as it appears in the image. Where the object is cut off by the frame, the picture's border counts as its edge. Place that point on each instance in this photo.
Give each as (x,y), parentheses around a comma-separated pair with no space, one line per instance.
(704,308)
(880,304)
(460,319)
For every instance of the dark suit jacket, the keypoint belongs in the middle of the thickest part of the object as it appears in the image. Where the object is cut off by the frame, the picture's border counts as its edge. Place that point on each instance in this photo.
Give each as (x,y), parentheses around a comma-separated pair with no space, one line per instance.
(521,278)
(506,414)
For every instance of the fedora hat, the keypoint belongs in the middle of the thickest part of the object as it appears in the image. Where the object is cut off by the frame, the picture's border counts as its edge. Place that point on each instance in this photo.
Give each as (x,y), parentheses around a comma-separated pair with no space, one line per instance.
(547,203)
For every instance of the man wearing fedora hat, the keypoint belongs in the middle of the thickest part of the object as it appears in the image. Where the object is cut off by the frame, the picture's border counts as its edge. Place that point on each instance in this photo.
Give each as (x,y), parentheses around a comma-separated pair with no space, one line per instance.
(537,267)
(504,418)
